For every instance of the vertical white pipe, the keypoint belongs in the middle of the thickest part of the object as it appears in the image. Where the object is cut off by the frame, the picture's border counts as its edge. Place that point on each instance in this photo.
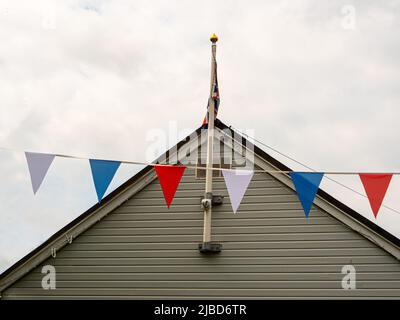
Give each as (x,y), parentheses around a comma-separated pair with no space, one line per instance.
(210,148)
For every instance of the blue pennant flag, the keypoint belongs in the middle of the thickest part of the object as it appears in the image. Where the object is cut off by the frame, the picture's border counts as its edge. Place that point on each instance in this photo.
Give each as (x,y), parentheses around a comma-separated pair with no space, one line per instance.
(103,172)
(306,185)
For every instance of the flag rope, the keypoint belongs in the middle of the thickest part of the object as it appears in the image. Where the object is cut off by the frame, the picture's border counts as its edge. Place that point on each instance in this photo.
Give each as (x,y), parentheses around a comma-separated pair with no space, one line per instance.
(325,173)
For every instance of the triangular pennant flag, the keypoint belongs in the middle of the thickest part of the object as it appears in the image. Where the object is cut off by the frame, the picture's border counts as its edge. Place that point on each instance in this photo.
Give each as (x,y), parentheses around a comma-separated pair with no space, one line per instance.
(306,185)
(38,164)
(103,172)
(375,186)
(237,183)
(169,178)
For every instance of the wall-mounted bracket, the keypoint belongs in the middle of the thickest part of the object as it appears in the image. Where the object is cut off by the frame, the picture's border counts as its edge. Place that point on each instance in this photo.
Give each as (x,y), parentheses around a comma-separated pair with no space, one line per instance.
(217,200)
(211,201)
(210,247)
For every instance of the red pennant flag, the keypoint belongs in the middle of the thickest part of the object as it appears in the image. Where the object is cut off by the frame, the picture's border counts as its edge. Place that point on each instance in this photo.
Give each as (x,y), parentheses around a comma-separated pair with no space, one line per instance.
(375,186)
(169,177)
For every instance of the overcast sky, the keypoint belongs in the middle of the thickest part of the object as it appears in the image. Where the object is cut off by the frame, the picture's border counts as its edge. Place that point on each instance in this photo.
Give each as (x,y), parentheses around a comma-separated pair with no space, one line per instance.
(318,80)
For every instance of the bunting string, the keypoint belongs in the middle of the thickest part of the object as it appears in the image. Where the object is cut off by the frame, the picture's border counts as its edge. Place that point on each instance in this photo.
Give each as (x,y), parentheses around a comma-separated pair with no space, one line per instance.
(237,180)
(308,167)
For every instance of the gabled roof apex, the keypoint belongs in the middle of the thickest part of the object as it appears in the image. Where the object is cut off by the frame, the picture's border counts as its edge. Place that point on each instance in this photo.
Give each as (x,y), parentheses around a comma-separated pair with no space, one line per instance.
(362,225)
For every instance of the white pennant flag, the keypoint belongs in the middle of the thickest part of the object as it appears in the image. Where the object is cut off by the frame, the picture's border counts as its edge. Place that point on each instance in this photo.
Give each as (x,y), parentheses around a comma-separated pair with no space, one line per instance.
(38,165)
(237,183)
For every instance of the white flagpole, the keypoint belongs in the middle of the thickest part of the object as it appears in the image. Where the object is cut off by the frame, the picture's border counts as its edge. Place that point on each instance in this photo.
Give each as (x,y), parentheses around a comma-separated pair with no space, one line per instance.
(210,141)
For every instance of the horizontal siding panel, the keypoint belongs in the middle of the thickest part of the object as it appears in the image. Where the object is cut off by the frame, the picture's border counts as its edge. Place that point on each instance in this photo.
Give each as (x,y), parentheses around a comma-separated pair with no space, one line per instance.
(292,292)
(217,185)
(213,268)
(216,230)
(129,214)
(222,238)
(36,278)
(189,176)
(176,208)
(248,199)
(199,260)
(110,224)
(202,284)
(225,253)
(352,244)
(183,192)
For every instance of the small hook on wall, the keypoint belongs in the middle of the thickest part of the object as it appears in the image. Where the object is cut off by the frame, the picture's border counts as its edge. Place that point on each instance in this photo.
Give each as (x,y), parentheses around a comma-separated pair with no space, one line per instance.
(69,238)
(53,252)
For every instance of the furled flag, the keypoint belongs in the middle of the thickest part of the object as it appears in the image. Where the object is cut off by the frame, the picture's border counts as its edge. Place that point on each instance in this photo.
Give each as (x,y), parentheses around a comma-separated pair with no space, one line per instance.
(237,183)
(169,178)
(38,165)
(215,97)
(306,185)
(375,186)
(103,172)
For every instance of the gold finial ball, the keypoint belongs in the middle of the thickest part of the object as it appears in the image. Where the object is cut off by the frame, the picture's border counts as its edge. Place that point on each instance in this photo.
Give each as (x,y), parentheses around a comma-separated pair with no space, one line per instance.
(214,38)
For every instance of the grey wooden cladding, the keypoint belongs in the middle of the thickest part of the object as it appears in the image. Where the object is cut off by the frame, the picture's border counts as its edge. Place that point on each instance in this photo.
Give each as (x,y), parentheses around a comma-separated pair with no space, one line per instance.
(234,237)
(218,230)
(195,207)
(214,269)
(142,250)
(199,276)
(217,222)
(333,283)
(247,261)
(200,293)
(227,245)
(228,253)
(151,253)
